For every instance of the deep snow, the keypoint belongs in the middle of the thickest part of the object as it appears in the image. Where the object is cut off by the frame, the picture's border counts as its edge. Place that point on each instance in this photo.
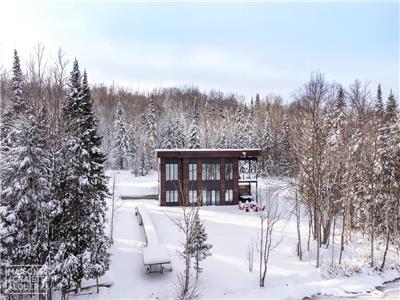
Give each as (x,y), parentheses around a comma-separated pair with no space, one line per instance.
(226,273)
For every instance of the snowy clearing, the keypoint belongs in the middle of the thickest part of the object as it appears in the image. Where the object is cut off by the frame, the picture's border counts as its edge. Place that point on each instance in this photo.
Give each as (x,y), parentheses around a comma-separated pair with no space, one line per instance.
(226,273)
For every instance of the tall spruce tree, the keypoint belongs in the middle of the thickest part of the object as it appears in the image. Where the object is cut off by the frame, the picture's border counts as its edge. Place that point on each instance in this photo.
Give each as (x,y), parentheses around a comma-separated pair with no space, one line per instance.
(80,243)
(25,182)
(121,152)
(95,257)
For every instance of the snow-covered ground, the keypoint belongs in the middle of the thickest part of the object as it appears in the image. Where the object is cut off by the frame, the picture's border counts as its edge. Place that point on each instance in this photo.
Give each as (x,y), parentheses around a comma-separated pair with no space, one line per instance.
(226,273)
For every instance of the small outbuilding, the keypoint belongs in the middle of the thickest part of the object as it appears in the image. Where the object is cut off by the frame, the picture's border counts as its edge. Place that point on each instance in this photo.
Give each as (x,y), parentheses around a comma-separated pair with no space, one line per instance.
(207,176)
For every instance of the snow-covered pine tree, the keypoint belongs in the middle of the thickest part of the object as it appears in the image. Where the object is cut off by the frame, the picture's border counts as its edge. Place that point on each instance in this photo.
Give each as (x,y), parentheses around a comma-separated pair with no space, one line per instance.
(17,104)
(193,135)
(173,136)
(382,159)
(221,141)
(199,248)
(266,147)
(95,258)
(390,206)
(67,242)
(151,123)
(238,138)
(25,182)
(121,152)
(286,163)
(395,149)
(78,230)
(380,172)
(250,131)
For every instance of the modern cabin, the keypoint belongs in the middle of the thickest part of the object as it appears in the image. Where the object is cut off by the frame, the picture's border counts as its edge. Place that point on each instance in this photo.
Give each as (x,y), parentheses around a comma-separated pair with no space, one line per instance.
(207,176)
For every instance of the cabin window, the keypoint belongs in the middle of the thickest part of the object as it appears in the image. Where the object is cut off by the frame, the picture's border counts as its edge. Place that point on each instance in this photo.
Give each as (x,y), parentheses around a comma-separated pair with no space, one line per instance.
(211,172)
(193,196)
(229,195)
(192,172)
(229,171)
(171,172)
(211,197)
(171,196)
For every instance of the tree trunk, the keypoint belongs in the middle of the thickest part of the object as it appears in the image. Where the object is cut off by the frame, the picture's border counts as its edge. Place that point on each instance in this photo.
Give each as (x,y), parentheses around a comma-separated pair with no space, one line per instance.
(261,250)
(333,240)
(372,239)
(318,234)
(342,238)
(299,250)
(309,232)
(197,264)
(326,233)
(387,244)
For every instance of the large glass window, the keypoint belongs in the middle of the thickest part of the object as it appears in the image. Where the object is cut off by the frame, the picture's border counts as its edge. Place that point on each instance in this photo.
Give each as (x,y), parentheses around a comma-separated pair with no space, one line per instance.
(171,196)
(193,196)
(171,172)
(229,195)
(211,197)
(229,171)
(192,171)
(211,172)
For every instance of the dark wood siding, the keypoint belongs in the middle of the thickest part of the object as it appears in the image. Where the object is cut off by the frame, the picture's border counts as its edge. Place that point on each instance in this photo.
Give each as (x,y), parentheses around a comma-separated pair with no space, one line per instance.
(183,185)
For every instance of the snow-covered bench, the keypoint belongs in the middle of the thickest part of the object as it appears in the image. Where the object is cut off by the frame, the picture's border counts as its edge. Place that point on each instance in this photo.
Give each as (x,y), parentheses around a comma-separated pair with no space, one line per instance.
(154,254)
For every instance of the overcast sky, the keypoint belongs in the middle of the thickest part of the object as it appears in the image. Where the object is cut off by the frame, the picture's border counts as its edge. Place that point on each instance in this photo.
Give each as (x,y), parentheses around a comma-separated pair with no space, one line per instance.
(234,47)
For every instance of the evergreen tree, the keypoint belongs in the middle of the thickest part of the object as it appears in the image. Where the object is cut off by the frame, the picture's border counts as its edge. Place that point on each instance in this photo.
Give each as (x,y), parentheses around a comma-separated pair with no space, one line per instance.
(221,141)
(71,181)
(382,164)
(250,131)
(121,149)
(95,257)
(151,123)
(238,139)
(17,104)
(78,230)
(199,248)
(266,147)
(193,136)
(173,137)
(25,182)
(286,168)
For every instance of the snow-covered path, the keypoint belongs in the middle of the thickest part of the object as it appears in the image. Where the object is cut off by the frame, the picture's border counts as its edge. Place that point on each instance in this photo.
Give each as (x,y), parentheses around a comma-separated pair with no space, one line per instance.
(226,272)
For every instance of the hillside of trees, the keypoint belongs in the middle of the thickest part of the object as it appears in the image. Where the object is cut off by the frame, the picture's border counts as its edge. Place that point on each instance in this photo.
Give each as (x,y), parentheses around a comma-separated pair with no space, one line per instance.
(339,145)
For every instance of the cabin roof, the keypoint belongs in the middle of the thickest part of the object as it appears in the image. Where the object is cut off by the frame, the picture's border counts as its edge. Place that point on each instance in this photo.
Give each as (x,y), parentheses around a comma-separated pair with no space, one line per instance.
(209,153)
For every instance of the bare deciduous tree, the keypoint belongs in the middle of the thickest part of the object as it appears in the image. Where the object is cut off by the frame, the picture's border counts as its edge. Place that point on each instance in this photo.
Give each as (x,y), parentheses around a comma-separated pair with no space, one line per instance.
(269,217)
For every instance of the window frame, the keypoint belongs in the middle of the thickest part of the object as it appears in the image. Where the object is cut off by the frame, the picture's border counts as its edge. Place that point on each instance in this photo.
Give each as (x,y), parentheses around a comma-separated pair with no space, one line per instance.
(171,171)
(229,192)
(192,171)
(211,171)
(212,197)
(229,175)
(171,196)
(192,196)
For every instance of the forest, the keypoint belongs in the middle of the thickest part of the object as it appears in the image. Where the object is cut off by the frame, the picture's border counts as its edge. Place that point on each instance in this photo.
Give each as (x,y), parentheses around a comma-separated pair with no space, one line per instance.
(338,146)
